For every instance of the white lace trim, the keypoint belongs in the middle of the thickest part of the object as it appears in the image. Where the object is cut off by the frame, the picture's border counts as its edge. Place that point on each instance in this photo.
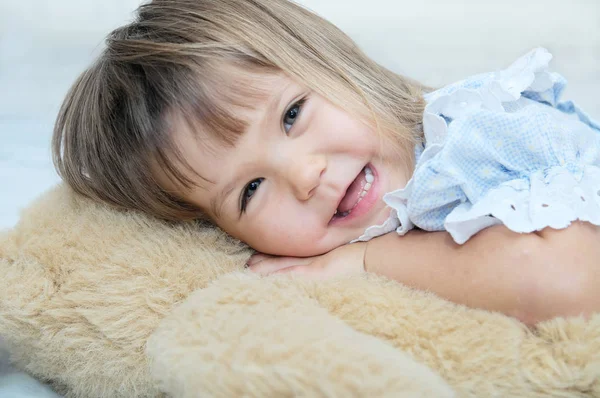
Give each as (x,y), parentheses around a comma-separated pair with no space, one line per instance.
(548,198)
(554,197)
(528,72)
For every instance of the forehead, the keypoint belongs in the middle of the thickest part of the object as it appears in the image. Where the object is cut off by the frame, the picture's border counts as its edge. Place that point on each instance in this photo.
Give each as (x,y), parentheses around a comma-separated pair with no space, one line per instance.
(207,140)
(222,103)
(223,107)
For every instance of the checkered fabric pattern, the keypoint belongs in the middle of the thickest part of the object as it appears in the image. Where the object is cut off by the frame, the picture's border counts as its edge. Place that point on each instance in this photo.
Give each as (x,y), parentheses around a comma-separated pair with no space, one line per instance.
(486,138)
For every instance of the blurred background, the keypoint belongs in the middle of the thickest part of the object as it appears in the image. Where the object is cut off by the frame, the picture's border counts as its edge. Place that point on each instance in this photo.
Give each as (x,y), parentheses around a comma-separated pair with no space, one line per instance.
(45,44)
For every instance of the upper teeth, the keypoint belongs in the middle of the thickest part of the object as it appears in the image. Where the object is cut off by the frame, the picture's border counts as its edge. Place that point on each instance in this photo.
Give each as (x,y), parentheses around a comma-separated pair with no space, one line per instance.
(369,178)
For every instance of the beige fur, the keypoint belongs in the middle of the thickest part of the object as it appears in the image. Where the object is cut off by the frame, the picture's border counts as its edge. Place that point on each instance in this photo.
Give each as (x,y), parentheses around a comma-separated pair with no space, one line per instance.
(102,303)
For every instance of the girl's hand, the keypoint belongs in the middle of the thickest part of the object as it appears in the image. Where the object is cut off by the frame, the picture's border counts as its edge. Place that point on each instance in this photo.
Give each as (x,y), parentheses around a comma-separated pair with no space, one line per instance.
(342,261)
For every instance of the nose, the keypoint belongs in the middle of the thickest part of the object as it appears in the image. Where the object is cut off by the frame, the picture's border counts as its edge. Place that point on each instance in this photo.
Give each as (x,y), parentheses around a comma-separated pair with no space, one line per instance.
(304,175)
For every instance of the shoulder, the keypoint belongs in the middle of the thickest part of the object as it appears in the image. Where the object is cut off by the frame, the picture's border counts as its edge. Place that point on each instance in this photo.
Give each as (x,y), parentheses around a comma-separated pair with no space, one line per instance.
(490,93)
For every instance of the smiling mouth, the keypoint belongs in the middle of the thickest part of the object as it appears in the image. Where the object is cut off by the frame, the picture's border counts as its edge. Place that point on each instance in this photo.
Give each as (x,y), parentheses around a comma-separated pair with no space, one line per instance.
(357,190)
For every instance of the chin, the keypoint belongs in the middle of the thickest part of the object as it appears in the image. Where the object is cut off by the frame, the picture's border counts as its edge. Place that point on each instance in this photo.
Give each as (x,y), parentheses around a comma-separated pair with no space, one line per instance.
(382,215)
(317,251)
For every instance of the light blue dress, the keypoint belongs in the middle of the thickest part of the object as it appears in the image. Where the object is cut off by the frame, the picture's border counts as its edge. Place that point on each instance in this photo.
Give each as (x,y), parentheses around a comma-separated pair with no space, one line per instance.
(501,149)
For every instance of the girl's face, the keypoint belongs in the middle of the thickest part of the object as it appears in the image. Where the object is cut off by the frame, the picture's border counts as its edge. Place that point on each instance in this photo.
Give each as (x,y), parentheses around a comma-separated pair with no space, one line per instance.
(296,183)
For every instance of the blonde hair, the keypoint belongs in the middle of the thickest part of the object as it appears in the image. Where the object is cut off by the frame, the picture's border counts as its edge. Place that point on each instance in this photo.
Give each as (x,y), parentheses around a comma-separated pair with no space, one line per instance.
(113,128)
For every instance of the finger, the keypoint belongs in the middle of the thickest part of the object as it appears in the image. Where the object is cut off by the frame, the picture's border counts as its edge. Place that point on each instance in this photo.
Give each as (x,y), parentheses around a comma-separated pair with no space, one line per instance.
(293,269)
(305,271)
(271,265)
(257,258)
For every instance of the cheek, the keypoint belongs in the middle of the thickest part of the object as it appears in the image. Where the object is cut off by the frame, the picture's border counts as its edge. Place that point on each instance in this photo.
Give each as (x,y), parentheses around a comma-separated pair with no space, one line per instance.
(350,134)
(292,235)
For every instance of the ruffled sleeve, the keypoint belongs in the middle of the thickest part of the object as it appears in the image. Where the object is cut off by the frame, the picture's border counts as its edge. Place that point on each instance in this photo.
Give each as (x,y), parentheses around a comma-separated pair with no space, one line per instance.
(501,149)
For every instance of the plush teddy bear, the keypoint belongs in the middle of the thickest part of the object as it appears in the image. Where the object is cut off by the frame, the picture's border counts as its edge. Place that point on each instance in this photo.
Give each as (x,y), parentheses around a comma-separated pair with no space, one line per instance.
(104,303)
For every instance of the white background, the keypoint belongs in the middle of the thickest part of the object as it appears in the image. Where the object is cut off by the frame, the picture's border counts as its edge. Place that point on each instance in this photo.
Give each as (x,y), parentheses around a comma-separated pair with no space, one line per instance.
(45,44)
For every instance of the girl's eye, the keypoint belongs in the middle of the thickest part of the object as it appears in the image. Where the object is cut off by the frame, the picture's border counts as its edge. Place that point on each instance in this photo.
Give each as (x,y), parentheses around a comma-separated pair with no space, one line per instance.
(290,116)
(248,192)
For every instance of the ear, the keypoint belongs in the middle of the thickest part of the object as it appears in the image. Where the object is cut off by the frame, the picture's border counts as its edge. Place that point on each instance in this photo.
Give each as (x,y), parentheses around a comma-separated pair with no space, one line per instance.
(247,336)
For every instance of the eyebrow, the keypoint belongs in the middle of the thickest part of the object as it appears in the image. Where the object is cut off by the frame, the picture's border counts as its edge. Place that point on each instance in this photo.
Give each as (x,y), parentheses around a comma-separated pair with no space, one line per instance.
(216,203)
(274,103)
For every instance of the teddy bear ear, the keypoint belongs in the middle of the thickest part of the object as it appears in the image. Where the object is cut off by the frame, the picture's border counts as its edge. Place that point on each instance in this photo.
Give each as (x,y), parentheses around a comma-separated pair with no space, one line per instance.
(83,286)
(245,336)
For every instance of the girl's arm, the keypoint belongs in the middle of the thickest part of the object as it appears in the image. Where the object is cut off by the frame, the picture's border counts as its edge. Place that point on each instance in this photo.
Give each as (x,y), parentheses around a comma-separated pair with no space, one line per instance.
(532,277)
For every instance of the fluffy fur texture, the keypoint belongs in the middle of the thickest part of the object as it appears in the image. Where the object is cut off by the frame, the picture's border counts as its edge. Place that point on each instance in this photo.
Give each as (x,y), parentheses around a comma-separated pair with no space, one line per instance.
(101,303)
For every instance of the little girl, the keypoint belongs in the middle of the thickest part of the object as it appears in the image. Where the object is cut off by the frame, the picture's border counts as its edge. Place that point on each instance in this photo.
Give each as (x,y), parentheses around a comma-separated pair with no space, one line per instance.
(266,120)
